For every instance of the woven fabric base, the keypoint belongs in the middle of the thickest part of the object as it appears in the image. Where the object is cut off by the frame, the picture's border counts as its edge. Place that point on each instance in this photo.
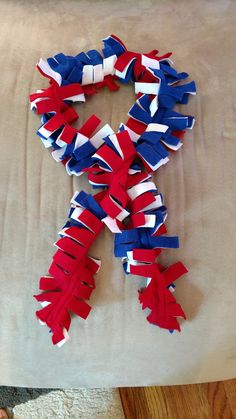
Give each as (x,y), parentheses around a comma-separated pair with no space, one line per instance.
(62,404)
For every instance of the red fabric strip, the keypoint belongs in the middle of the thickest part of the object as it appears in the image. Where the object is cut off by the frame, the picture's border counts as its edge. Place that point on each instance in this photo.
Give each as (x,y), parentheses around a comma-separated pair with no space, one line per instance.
(90,125)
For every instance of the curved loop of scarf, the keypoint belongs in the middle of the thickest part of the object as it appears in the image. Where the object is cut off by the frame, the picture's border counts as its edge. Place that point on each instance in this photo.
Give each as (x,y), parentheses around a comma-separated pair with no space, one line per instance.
(157,92)
(120,163)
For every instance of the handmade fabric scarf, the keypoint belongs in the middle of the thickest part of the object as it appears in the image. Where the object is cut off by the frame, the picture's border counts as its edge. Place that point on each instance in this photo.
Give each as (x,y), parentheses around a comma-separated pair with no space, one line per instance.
(120,165)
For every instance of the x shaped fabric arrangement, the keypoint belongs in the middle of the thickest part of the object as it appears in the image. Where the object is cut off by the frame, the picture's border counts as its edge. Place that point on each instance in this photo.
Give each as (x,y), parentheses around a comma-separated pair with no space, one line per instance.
(120,165)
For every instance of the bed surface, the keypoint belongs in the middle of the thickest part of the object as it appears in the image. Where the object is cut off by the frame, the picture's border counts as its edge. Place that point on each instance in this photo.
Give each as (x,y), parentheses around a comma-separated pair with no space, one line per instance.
(116,346)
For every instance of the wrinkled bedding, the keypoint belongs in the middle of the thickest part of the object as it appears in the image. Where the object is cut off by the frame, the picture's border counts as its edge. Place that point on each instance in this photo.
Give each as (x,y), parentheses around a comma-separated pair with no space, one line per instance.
(116,346)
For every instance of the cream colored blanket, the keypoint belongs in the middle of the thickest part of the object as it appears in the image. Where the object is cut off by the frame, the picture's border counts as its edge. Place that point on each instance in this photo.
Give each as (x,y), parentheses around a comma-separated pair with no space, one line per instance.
(116,346)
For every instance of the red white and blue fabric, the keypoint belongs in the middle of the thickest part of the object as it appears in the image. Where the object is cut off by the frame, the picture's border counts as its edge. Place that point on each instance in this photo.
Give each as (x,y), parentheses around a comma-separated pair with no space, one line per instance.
(118,164)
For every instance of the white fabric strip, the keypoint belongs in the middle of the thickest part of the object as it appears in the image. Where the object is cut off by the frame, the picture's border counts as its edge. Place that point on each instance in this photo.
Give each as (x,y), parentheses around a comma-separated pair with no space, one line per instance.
(150,220)
(108,65)
(134,263)
(122,74)
(97,139)
(71,172)
(193,123)
(172,147)
(73,199)
(116,144)
(66,338)
(147,88)
(168,60)
(98,73)
(76,216)
(46,69)
(44,132)
(87,76)
(80,140)
(154,205)
(150,62)
(157,127)
(97,156)
(111,223)
(140,189)
(153,106)
(76,213)
(133,135)
(47,142)
(45,303)
(33,104)
(60,143)
(156,166)
(57,154)
(63,232)
(130,255)
(77,98)
(94,183)
(123,213)
(148,281)
(133,171)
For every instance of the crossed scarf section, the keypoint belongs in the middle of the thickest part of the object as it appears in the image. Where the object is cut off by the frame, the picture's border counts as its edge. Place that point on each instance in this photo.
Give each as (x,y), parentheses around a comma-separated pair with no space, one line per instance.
(120,165)
(132,208)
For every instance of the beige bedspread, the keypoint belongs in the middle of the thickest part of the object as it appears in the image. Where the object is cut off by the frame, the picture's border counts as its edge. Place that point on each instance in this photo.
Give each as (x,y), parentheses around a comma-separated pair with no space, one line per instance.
(116,346)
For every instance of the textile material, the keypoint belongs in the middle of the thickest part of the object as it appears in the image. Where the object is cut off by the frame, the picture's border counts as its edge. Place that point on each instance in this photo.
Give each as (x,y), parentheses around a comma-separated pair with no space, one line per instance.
(115,346)
(82,403)
(129,203)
